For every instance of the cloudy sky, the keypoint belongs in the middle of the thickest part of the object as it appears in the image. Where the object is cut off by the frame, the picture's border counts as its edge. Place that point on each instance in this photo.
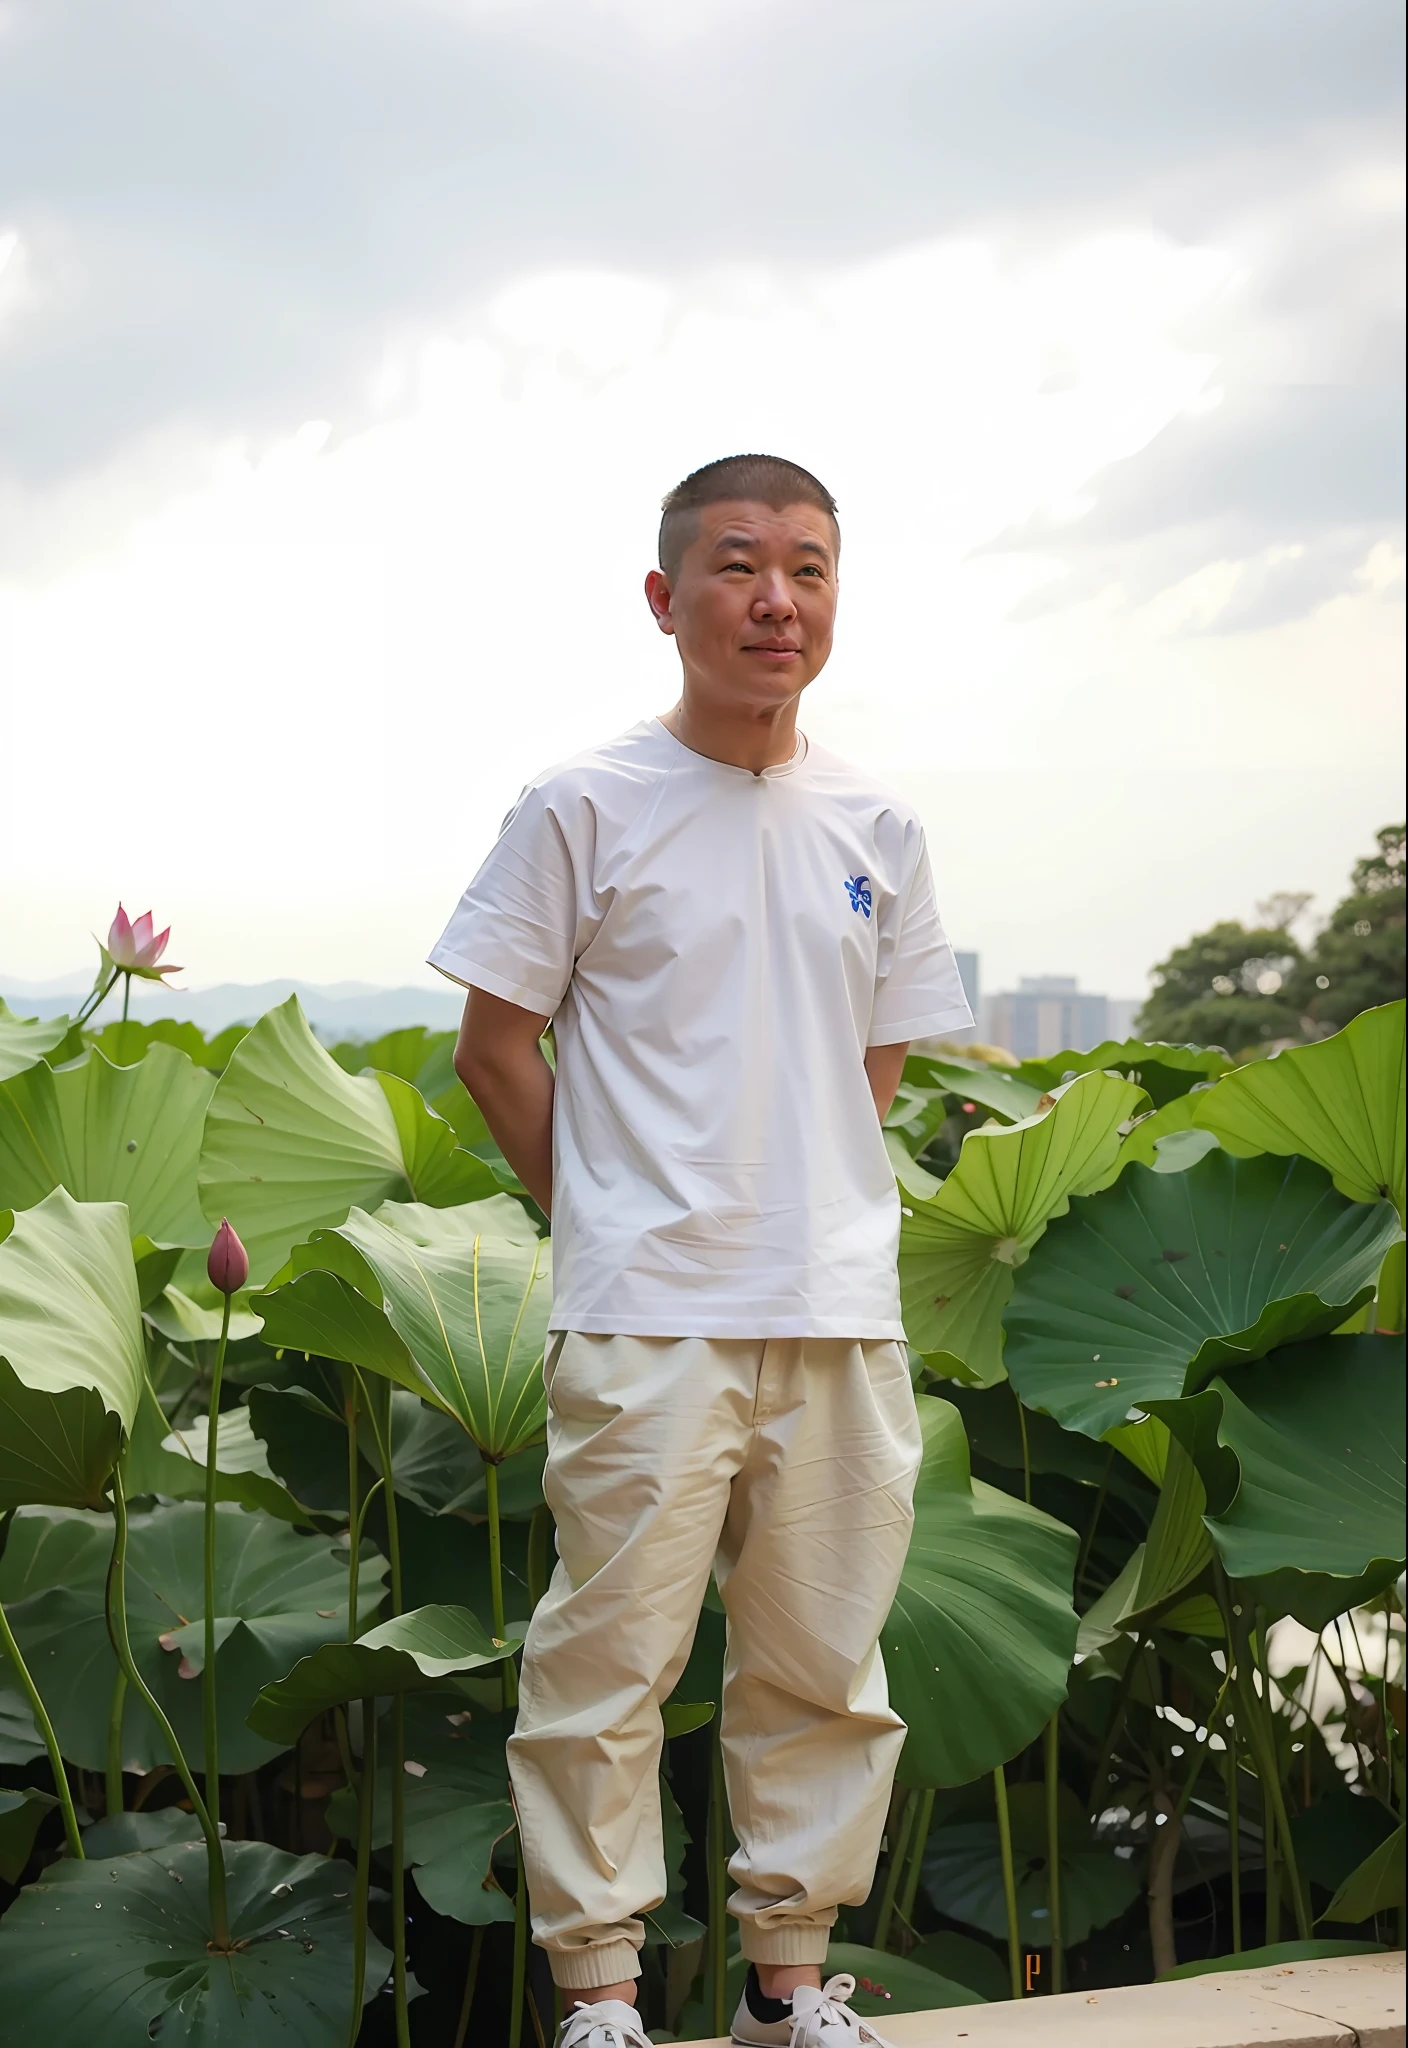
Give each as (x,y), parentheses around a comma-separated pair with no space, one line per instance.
(347,346)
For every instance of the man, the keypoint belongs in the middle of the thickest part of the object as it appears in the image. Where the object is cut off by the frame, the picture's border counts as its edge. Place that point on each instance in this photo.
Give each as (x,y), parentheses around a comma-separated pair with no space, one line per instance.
(735,937)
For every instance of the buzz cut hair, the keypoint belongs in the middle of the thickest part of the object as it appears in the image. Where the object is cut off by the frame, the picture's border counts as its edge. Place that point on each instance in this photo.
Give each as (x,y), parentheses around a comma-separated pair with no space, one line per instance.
(764,479)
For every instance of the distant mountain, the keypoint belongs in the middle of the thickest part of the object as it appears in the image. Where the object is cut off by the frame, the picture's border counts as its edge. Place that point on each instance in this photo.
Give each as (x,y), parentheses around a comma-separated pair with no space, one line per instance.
(348,1009)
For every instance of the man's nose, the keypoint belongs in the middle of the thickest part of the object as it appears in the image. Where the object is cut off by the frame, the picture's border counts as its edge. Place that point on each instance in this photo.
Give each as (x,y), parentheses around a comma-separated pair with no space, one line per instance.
(774,599)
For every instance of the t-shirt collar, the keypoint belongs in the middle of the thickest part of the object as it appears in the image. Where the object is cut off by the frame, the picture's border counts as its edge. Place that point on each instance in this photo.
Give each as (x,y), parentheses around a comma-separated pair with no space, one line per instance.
(778,769)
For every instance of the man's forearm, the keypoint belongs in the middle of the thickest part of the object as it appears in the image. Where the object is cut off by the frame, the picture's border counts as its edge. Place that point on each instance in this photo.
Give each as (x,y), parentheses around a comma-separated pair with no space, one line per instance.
(514,1097)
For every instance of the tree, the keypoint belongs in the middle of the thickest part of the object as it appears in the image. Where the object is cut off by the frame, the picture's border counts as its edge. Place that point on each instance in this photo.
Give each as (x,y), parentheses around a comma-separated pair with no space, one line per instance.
(1227,986)
(1357,959)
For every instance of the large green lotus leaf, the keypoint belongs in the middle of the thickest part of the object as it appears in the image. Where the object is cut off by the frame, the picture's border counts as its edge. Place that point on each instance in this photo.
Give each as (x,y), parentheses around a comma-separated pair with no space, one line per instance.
(457,1315)
(1143,1291)
(116,1952)
(1375,1887)
(292,1142)
(25,1040)
(22,1814)
(20,1740)
(279,1596)
(1164,1072)
(1340,1102)
(1302,1455)
(996,1088)
(978,1644)
(963,1872)
(1169,1140)
(172,1462)
(404,1654)
(72,1365)
(1275,1952)
(958,1250)
(126,1041)
(457,1805)
(110,1134)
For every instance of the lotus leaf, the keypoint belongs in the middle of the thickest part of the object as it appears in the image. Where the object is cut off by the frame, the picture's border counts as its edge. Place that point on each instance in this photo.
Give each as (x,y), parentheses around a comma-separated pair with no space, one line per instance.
(126,1040)
(963,1872)
(457,1806)
(958,1250)
(1164,1072)
(71,1358)
(1144,1290)
(459,1316)
(25,1040)
(280,1596)
(1302,1457)
(109,1134)
(22,1814)
(979,1641)
(116,1952)
(404,1654)
(996,1088)
(1274,1954)
(292,1142)
(172,1462)
(1375,1887)
(1340,1102)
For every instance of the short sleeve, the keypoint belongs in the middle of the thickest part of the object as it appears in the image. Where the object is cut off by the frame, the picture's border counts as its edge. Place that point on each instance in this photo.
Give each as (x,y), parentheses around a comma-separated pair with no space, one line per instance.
(515,927)
(918,990)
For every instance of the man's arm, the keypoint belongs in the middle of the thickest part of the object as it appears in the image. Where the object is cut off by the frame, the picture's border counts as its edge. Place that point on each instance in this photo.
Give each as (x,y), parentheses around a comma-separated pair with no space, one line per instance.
(500,1061)
(884,1065)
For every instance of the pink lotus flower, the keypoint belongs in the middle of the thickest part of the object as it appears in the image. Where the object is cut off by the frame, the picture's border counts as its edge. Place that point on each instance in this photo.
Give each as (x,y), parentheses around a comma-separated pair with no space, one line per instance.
(228,1264)
(136,948)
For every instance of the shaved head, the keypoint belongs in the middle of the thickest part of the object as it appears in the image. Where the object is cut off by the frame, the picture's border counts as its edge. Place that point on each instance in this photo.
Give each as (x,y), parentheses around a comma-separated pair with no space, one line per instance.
(744,479)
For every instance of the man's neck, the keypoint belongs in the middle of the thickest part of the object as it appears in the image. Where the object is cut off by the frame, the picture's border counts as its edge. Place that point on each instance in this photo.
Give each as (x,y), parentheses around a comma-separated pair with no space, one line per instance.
(738,740)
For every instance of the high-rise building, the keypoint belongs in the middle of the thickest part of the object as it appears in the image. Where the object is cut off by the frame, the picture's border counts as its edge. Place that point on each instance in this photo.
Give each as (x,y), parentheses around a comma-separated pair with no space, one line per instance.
(1045,1014)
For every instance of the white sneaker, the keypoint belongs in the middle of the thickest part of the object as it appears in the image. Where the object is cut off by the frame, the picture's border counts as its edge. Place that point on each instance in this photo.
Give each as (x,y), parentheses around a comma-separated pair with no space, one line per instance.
(819,2019)
(608,2024)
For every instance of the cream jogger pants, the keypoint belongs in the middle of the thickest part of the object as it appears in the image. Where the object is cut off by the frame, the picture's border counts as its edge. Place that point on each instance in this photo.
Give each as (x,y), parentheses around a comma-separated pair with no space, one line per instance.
(788,1465)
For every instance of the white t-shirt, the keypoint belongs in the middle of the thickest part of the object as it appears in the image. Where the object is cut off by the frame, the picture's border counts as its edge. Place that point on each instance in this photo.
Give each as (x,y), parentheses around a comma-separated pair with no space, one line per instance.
(716,950)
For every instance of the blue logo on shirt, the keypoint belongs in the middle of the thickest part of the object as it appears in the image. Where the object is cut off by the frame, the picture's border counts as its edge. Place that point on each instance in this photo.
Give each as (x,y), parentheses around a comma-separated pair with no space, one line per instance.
(858,889)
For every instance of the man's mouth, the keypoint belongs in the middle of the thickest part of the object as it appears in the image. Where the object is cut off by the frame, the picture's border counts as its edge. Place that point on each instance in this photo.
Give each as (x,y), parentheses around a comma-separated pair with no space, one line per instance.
(779,650)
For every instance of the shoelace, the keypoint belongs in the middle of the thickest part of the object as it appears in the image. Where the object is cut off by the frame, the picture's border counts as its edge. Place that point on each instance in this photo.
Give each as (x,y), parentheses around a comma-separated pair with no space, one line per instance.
(586,2030)
(811,2019)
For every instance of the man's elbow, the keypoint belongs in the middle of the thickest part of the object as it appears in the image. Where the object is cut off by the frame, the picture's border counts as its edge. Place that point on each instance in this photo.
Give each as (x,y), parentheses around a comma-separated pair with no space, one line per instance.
(471,1068)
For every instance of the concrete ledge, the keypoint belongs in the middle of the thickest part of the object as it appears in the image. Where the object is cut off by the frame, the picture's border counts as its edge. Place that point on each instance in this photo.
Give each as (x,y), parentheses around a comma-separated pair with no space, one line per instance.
(1349,2002)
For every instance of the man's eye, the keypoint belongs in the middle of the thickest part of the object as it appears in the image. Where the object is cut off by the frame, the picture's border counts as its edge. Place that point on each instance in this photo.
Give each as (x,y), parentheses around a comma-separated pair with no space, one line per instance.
(744,566)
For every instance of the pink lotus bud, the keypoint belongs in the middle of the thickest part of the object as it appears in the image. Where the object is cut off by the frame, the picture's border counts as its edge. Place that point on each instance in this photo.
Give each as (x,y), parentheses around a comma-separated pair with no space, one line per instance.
(137,947)
(228,1264)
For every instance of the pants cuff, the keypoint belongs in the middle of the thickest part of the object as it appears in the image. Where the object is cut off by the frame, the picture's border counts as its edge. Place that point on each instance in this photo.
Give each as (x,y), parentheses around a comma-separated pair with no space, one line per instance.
(604,1962)
(798,1942)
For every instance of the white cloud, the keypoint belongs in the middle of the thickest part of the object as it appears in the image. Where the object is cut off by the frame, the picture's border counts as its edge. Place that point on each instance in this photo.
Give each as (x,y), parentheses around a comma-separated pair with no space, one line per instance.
(290,707)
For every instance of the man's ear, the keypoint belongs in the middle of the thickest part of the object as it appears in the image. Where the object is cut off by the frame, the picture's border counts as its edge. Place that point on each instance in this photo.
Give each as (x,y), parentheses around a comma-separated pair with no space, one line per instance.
(659,597)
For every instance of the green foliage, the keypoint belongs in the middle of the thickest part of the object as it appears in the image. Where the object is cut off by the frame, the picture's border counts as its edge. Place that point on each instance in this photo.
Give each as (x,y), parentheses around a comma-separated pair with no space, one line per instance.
(25,1040)
(1228,987)
(1143,1291)
(1212,1235)
(109,1134)
(960,1248)
(1357,960)
(119,1952)
(982,1632)
(71,1359)
(1340,1102)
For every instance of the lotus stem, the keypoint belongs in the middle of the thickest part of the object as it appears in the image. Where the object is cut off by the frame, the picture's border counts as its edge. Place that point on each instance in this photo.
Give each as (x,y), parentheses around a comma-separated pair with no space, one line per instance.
(1088,1540)
(900,1843)
(919,1841)
(1009,1882)
(354,1520)
(210,1724)
(366,1798)
(471,1979)
(1051,1748)
(96,999)
(47,1735)
(717,1999)
(1026,1448)
(112,1783)
(379,1409)
(117,1611)
(508,1670)
(520,1952)
(1255,1717)
(1234,1846)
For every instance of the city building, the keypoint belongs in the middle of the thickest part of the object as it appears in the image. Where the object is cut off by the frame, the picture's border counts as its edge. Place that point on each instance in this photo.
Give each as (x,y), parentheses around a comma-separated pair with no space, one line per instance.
(1047,1013)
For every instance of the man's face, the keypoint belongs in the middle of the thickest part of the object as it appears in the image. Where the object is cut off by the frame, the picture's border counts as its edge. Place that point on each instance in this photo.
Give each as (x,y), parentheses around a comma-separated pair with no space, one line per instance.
(753,606)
